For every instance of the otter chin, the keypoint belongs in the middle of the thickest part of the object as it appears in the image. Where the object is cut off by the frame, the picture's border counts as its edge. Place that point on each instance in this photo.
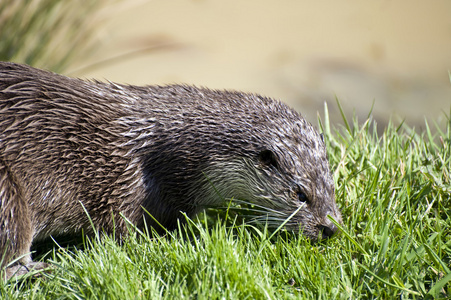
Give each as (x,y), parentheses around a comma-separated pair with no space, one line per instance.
(69,145)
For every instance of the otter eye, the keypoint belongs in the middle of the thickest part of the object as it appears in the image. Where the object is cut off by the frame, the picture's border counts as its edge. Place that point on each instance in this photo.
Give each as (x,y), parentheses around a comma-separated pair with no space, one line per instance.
(302,197)
(267,158)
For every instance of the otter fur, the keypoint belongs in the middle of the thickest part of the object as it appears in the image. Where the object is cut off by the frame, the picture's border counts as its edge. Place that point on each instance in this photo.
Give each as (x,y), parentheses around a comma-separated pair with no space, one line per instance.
(70,148)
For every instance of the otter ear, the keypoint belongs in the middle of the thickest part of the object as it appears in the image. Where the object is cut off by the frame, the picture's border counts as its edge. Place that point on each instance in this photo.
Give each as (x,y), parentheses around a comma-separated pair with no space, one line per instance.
(267,158)
(322,137)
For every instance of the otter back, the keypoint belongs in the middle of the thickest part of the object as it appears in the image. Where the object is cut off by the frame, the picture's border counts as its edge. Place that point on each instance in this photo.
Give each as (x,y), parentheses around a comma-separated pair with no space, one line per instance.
(67,145)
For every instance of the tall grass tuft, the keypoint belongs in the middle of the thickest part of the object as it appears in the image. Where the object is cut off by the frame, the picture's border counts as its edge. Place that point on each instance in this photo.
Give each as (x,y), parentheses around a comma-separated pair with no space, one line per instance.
(395,193)
(48,34)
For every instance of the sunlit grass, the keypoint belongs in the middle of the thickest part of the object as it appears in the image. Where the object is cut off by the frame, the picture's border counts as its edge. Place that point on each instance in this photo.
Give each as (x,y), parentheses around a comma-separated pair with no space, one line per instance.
(394,191)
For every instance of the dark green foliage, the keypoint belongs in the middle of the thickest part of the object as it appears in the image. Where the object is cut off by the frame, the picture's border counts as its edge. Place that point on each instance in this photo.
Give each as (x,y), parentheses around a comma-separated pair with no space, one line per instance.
(47,34)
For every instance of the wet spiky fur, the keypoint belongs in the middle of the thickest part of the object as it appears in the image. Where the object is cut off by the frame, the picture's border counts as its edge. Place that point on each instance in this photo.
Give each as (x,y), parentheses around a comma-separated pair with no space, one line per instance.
(66,144)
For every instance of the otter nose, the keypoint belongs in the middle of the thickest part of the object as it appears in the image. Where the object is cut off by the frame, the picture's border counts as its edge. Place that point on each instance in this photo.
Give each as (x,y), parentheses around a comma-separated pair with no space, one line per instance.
(327,231)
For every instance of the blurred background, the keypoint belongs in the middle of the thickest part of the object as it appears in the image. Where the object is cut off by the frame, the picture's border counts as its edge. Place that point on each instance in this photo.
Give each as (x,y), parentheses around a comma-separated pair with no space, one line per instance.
(395,54)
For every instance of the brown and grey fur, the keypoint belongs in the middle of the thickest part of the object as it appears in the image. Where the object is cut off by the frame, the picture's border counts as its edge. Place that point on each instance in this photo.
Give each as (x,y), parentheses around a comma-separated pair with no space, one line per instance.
(116,149)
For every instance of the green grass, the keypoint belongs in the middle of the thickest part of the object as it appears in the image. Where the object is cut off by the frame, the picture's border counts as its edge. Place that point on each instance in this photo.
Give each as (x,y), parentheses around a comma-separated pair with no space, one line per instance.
(394,191)
(49,34)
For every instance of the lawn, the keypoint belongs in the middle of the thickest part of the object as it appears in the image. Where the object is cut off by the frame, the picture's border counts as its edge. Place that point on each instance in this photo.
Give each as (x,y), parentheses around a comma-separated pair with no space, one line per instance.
(394,191)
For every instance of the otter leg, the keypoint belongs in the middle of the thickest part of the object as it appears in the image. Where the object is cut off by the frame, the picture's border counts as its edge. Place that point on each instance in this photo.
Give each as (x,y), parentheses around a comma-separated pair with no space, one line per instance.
(15,226)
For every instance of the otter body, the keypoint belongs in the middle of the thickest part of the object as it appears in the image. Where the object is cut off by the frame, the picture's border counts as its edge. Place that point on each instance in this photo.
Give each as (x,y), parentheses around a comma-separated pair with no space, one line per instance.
(68,145)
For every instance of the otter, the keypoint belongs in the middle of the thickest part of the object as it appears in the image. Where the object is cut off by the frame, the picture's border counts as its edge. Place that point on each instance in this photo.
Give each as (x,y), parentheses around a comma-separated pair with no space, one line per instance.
(72,148)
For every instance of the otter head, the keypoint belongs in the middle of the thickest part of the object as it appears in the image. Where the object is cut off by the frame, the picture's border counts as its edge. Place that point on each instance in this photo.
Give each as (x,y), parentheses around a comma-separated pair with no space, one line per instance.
(214,145)
(261,151)
(285,174)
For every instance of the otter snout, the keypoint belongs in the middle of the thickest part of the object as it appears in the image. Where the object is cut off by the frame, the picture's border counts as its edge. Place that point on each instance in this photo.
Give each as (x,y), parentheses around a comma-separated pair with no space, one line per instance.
(327,228)
(327,231)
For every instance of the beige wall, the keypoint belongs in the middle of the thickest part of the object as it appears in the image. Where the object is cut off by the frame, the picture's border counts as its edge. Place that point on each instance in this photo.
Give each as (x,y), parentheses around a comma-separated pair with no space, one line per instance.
(302,52)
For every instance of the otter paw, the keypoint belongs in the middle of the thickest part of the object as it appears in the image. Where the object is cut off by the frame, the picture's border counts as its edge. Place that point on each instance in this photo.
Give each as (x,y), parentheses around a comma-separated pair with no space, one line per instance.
(20,270)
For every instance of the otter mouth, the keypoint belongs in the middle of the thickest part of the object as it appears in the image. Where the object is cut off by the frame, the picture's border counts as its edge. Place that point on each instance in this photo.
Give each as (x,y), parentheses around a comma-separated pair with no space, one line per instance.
(327,232)
(258,216)
(240,211)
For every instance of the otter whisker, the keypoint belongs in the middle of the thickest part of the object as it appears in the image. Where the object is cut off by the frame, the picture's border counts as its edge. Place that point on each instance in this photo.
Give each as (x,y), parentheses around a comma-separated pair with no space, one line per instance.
(263,208)
(255,210)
